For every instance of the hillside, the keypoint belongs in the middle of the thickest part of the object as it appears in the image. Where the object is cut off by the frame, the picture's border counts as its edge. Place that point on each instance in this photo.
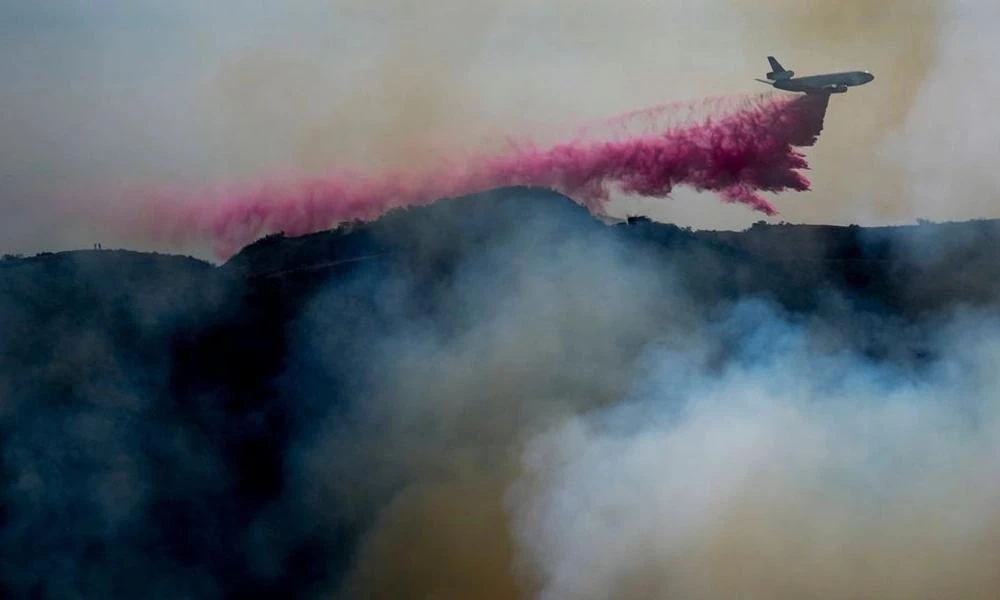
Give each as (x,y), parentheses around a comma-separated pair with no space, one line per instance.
(161,417)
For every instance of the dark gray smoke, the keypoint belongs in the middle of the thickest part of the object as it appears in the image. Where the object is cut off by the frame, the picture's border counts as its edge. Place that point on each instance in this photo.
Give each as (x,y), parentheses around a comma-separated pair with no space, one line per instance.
(500,397)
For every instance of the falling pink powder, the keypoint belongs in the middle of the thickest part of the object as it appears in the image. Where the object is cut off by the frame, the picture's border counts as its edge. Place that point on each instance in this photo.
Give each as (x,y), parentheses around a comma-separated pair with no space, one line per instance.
(737,155)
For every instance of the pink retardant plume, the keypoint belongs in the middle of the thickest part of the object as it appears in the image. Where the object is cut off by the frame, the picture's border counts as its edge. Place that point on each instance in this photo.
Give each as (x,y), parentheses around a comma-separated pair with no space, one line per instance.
(737,155)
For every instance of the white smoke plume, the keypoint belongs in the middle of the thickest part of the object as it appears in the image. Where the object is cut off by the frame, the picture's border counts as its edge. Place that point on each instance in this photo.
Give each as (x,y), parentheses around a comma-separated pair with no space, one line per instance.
(946,145)
(790,473)
(576,418)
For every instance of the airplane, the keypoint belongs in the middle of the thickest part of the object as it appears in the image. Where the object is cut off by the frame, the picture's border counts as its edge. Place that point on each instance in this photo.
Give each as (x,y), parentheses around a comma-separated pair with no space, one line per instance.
(827,83)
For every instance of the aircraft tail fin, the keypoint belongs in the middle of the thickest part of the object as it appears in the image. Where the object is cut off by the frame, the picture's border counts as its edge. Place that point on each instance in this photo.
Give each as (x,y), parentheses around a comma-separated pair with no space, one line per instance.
(778,71)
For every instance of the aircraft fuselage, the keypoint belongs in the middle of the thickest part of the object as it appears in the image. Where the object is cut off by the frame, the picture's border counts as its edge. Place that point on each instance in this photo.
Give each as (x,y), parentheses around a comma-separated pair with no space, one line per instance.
(826,83)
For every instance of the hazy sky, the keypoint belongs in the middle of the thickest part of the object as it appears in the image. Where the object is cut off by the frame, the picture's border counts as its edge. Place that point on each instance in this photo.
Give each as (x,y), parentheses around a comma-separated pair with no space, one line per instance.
(109,92)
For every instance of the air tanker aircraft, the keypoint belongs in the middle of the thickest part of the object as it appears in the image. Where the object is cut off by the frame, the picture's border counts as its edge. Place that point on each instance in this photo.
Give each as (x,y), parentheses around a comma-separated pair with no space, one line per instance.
(828,83)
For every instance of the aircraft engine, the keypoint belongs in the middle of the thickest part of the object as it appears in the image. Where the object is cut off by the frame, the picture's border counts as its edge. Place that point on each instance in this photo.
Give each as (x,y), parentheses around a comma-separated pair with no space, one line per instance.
(778,75)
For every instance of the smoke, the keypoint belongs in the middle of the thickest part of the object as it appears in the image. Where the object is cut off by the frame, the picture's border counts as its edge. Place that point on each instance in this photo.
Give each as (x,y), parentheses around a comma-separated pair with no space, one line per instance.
(466,367)
(737,155)
(513,401)
(516,408)
(789,472)
(565,416)
(238,91)
(943,146)
(91,453)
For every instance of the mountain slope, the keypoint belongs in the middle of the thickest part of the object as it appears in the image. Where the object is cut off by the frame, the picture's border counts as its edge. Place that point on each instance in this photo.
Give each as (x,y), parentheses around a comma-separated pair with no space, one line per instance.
(160,415)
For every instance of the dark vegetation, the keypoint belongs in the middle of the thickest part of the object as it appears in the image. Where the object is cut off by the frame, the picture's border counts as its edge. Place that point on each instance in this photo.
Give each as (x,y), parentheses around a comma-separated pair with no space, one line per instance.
(145,430)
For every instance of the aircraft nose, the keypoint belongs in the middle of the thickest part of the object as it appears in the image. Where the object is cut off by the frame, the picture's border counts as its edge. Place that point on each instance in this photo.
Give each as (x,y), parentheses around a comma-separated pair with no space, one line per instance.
(868,76)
